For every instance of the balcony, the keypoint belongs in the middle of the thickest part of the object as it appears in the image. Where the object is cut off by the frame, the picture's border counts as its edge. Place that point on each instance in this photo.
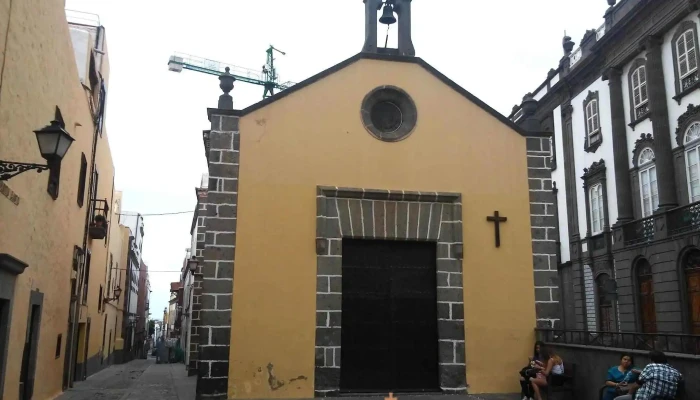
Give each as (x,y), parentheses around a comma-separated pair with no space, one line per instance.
(684,219)
(99,224)
(639,231)
(662,225)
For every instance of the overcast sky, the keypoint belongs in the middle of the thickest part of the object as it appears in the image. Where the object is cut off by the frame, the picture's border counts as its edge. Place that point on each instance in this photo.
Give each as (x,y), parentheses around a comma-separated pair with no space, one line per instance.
(497,50)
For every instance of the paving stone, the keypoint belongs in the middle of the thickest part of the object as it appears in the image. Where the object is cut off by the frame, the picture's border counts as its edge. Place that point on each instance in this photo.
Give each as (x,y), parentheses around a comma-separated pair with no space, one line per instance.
(136,380)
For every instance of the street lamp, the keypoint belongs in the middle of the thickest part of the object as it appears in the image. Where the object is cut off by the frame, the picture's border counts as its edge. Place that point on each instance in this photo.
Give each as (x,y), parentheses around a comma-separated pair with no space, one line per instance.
(53,140)
(117,293)
(192,264)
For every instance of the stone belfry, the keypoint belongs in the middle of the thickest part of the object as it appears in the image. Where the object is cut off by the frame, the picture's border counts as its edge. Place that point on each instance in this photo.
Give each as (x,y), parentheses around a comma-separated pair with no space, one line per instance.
(402,8)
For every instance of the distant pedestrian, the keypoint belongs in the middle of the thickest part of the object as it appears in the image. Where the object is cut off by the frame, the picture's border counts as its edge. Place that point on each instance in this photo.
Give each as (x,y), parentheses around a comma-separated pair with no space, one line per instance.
(160,350)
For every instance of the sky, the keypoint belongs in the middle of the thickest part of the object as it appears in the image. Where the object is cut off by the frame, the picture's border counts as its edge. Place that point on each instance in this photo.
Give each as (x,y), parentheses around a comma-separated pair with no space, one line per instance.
(497,50)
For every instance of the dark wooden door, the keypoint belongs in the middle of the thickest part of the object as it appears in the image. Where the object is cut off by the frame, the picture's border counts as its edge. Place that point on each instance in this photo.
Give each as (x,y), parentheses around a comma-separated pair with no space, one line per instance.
(26,378)
(389,320)
(647,305)
(693,279)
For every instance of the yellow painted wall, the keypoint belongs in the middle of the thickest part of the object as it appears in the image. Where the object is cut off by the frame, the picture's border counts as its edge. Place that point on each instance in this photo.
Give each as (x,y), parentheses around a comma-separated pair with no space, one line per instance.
(315,137)
(40,74)
(120,273)
(118,251)
(99,268)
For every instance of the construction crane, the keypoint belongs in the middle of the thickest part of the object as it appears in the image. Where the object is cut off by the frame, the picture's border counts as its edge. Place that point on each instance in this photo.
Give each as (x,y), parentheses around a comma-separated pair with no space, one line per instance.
(267,79)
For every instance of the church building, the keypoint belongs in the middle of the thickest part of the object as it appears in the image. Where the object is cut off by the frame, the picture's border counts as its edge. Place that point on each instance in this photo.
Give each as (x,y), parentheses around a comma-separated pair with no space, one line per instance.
(370,230)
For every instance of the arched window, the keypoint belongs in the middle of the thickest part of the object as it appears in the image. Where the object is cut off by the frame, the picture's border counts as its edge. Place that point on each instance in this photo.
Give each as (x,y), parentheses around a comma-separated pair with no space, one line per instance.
(639,92)
(606,315)
(592,122)
(691,268)
(685,58)
(647,182)
(685,51)
(645,290)
(692,160)
(597,209)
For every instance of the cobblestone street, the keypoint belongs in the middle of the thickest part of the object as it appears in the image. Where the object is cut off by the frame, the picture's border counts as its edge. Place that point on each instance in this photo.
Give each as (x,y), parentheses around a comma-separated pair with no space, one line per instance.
(146,380)
(136,380)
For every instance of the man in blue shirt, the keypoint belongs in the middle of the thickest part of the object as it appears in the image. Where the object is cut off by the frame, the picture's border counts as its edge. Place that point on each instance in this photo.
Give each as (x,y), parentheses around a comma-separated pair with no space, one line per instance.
(658,380)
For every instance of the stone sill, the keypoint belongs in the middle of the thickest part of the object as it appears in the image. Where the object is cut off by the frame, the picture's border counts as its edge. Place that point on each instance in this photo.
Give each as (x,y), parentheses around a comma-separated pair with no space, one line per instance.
(639,120)
(619,350)
(686,92)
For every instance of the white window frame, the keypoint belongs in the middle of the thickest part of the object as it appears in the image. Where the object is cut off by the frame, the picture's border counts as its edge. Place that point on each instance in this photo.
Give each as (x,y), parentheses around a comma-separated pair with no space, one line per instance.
(597,213)
(692,137)
(647,171)
(638,89)
(683,55)
(592,120)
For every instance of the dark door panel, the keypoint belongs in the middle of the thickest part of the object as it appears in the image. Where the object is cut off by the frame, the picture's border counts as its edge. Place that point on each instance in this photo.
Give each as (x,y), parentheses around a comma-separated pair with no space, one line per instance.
(389,328)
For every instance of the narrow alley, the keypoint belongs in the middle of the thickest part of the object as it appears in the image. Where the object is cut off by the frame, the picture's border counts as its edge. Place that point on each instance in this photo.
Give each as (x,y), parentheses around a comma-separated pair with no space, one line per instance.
(136,380)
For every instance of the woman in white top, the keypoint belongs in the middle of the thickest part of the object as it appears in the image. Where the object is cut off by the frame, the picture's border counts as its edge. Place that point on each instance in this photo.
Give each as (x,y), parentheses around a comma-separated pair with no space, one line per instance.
(554,366)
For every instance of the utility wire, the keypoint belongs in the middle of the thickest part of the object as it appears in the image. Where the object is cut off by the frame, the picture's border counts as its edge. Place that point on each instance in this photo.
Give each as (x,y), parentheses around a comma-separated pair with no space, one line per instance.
(129,214)
(149,271)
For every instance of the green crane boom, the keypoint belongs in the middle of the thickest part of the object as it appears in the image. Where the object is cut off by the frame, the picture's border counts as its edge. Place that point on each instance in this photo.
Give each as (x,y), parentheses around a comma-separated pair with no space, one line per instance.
(268,78)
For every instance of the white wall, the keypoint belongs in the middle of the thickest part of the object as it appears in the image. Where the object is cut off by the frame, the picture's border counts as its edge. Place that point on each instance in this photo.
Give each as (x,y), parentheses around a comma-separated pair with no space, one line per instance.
(539,95)
(554,80)
(193,241)
(558,178)
(605,151)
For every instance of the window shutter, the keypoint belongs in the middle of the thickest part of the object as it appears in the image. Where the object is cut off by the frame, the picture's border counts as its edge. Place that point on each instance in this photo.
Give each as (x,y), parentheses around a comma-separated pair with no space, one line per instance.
(635,87)
(690,48)
(682,58)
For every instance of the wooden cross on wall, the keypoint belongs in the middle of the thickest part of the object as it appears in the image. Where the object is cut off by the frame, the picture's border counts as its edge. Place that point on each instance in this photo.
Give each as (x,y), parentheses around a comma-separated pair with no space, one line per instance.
(497,219)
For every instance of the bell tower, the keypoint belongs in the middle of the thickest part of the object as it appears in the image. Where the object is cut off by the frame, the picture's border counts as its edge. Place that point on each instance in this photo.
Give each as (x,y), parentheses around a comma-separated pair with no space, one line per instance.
(402,8)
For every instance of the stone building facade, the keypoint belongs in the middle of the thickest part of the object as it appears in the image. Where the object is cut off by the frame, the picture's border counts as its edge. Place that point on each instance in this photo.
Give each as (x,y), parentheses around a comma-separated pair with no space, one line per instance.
(625,132)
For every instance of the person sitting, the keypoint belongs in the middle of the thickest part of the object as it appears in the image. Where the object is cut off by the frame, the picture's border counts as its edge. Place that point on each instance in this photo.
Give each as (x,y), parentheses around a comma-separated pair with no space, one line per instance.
(657,381)
(553,365)
(530,372)
(619,377)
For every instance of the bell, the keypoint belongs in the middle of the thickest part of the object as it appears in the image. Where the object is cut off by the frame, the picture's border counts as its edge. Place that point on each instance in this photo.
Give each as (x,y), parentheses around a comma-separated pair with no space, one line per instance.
(388,15)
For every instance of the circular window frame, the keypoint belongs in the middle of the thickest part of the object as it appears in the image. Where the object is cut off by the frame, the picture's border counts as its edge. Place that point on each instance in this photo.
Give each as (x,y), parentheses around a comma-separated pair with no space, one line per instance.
(401,99)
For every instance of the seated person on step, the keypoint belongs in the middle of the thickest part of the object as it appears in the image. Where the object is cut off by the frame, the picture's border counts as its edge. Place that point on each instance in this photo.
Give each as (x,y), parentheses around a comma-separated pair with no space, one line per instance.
(619,378)
(530,372)
(554,366)
(657,381)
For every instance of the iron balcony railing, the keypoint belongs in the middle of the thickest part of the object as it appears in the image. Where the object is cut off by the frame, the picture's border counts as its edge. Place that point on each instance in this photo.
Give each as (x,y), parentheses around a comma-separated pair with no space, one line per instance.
(666,342)
(639,231)
(684,219)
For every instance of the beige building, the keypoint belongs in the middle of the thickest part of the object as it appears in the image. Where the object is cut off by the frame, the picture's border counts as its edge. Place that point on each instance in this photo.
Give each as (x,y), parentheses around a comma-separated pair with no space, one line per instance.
(54,266)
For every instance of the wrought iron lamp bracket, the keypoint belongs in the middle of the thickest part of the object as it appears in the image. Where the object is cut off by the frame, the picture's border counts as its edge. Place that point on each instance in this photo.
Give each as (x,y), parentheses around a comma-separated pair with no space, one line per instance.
(10,169)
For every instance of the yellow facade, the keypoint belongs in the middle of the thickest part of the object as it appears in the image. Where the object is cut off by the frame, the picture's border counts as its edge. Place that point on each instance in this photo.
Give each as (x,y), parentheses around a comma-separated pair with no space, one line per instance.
(119,248)
(315,136)
(39,74)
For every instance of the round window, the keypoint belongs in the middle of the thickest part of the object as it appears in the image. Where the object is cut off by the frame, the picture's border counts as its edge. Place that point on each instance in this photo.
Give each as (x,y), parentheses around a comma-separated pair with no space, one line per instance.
(389,113)
(386,116)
